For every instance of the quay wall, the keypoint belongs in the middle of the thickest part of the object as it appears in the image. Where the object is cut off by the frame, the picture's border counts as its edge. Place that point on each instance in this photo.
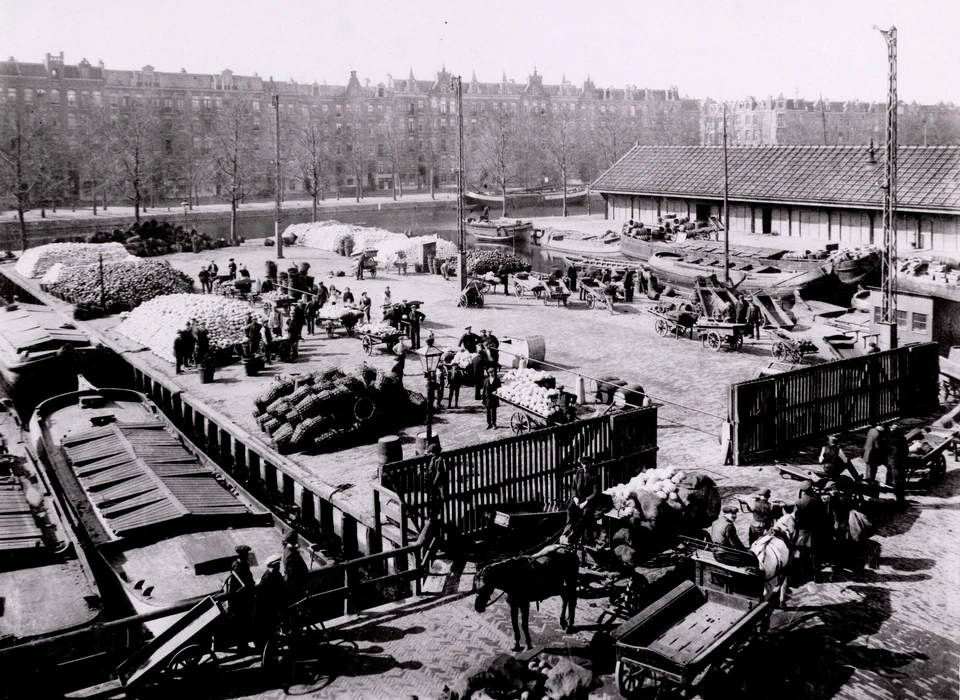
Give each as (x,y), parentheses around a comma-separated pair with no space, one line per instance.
(48,230)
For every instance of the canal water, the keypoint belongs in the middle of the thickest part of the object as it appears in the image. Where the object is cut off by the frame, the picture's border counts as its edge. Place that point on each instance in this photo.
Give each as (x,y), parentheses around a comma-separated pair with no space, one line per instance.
(419,222)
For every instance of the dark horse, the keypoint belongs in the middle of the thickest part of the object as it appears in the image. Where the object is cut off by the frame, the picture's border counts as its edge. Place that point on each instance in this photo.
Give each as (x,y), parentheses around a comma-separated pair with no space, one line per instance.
(552,571)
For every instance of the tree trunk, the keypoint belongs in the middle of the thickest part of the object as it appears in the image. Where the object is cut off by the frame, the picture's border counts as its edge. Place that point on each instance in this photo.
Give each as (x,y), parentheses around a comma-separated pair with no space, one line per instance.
(399,184)
(136,205)
(315,193)
(563,184)
(395,183)
(503,205)
(233,218)
(23,227)
(432,192)
(94,197)
(54,209)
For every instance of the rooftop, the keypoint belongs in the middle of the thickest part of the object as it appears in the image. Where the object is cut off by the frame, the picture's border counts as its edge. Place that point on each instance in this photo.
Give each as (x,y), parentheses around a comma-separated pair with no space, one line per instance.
(928,176)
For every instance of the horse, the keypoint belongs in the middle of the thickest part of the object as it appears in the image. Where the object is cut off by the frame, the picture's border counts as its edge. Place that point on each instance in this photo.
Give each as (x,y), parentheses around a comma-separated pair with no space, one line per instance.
(773,551)
(525,579)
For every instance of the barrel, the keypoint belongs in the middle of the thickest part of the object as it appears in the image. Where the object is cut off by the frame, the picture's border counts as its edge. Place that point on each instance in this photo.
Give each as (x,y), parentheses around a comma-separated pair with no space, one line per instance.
(533,349)
(389,449)
(420,446)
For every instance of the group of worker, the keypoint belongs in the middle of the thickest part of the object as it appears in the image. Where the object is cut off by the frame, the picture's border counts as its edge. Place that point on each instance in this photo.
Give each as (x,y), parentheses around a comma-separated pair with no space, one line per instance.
(885,445)
(209,274)
(742,309)
(191,345)
(259,610)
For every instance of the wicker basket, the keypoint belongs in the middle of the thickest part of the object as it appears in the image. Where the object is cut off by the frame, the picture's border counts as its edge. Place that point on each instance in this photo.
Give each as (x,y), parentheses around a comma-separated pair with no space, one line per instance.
(364,409)
(300,394)
(352,384)
(271,426)
(367,373)
(263,419)
(279,408)
(332,374)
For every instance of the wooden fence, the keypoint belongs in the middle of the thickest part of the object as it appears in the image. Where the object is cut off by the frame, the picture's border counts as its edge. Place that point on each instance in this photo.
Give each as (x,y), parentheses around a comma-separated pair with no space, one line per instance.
(534,466)
(774,412)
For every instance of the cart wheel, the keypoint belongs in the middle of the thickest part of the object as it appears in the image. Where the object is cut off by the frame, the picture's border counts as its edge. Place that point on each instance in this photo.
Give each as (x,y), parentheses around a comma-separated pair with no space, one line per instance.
(518,290)
(662,327)
(713,341)
(779,351)
(591,302)
(632,680)
(368,345)
(519,423)
(938,470)
(189,659)
(278,658)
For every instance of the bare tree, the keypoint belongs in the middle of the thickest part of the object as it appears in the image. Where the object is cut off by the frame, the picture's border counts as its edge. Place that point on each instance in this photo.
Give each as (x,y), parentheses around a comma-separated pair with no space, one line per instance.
(394,141)
(24,146)
(235,148)
(311,151)
(496,149)
(135,148)
(354,146)
(93,149)
(560,146)
(192,158)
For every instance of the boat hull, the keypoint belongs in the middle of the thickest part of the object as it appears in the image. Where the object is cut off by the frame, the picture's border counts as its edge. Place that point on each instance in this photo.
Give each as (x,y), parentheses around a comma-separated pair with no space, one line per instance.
(633,247)
(855,271)
(672,270)
(529,199)
(494,232)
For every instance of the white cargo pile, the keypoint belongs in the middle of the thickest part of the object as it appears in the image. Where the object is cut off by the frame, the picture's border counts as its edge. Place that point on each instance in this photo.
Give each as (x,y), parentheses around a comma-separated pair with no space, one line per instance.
(328,235)
(155,323)
(378,328)
(128,282)
(463,359)
(36,261)
(663,483)
(520,387)
(845,254)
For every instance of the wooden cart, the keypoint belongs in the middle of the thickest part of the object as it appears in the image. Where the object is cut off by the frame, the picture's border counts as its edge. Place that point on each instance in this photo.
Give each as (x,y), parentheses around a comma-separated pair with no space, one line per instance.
(928,461)
(716,334)
(673,322)
(528,285)
(524,419)
(556,291)
(697,626)
(372,340)
(788,348)
(332,319)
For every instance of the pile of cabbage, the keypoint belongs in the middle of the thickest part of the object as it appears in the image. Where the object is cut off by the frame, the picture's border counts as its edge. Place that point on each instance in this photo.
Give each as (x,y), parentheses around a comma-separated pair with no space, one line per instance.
(329,235)
(36,261)
(155,323)
(463,359)
(663,483)
(126,283)
(526,374)
(524,391)
(378,328)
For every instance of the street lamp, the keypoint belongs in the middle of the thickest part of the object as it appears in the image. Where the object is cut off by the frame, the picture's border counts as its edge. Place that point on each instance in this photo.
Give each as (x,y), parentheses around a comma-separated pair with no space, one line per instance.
(186,226)
(430,359)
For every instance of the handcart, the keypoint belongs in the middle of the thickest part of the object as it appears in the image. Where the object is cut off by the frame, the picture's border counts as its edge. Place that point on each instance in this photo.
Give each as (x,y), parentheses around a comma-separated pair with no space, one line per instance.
(672,320)
(716,334)
(372,340)
(790,348)
(524,419)
(594,295)
(201,641)
(698,625)
(555,290)
(525,283)
(472,295)
(927,461)
(332,318)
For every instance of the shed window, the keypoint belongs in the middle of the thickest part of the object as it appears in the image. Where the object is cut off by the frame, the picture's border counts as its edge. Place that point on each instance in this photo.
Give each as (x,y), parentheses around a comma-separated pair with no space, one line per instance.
(901,319)
(919,322)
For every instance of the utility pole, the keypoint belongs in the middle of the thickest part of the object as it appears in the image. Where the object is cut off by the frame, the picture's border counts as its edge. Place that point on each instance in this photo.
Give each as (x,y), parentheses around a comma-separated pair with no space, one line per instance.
(823,120)
(726,204)
(276,225)
(461,232)
(888,269)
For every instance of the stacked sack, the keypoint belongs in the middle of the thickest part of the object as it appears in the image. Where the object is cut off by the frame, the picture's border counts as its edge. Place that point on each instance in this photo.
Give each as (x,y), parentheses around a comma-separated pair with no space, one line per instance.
(333,408)
(36,261)
(155,323)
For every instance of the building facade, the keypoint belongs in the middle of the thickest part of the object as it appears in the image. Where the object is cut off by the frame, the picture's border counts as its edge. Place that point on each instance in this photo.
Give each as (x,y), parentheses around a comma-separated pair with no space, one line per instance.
(781,121)
(396,133)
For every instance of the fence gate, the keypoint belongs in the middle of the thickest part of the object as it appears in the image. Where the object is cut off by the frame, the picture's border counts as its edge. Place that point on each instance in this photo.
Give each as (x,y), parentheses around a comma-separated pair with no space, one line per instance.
(771,413)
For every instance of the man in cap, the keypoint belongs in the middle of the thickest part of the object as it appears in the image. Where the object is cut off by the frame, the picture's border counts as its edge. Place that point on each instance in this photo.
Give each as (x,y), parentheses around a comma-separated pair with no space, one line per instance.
(834,460)
(469,340)
(582,506)
(873,450)
(294,568)
(232,269)
(241,596)
(272,601)
(897,454)
(723,532)
(490,399)
(492,344)
(762,516)
(810,521)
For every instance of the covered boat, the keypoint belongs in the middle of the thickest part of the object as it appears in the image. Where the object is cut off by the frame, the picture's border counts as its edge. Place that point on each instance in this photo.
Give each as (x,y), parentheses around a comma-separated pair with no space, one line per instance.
(162,516)
(32,336)
(46,581)
(498,230)
(683,271)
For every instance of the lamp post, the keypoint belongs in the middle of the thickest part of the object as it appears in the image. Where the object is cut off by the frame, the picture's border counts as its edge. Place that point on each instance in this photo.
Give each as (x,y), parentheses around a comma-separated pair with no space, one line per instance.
(186,226)
(430,359)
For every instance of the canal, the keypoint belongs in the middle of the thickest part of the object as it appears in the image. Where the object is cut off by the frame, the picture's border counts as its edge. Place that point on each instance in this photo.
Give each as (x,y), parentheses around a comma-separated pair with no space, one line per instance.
(419,222)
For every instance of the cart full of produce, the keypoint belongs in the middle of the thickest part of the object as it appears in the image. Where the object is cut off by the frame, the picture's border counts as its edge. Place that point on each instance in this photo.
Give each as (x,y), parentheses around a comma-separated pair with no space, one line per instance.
(538,402)
(374,334)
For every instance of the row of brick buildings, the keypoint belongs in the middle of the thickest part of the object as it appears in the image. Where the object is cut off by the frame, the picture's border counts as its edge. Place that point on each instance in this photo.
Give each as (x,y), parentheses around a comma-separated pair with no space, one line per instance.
(423,114)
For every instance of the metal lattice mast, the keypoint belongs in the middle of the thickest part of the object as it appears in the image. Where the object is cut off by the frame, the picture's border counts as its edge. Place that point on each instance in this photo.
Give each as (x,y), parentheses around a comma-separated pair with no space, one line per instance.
(888,268)
(461,232)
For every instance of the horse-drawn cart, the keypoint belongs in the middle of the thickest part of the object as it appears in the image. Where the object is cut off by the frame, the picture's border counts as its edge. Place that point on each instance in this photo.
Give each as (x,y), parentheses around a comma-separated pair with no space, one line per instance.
(697,626)
(331,318)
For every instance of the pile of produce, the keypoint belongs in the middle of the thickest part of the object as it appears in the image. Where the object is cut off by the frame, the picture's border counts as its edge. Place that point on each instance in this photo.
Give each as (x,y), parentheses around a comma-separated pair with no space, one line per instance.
(520,387)
(152,238)
(36,261)
(333,408)
(126,283)
(155,323)
(331,235)
(464,359)
(378,328)
(480,262)
(845,254)
(547,677)
(658,504)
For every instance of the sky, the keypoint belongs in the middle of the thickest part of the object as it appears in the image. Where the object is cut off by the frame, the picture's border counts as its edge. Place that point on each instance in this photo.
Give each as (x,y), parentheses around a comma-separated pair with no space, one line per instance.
(708,48)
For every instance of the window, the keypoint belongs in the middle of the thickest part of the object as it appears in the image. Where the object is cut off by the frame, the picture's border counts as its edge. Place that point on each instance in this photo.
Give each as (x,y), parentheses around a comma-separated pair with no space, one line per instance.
(168,103)
(256,105)
(180,103)
(72,124)
(443,145)
(126,100)
(27,95)
(412,108)
(370,108)
(11,94)
(443,106)
(877,314)
(339,127)
(901,318)
(326,108)
(420,105)
(919,323)
(781,120)
(219,102)
(256,123)
(54,97)
(71,98)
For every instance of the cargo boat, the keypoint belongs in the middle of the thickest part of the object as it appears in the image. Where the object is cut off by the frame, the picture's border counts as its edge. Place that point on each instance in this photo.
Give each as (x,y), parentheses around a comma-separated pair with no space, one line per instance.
(498,230)
(46,580)
(673,269)
(164,518)
(528,198)
(576,243)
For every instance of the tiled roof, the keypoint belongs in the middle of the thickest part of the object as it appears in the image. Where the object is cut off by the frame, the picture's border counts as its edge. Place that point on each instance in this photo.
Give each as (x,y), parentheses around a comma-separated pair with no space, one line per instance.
(928,176)
(137,475)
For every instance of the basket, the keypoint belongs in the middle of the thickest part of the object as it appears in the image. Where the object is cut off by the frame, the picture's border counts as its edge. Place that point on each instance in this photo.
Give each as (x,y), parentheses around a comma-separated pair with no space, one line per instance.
(299,395)
(332,374)
(328,440)
(310,406)
(271,426)
(352,384)
(367,373)
(279,408)
(262,420)
(364,409)
(416,398)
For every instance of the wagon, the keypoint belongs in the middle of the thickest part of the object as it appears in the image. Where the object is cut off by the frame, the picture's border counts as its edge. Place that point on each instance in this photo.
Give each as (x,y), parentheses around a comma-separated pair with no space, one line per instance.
(524,419)
(332,318)
(927,461)
(790,348)
(372,340)
(716,334)
(556,291)
(592,292)
(672,321)
(697,626)
(528,285)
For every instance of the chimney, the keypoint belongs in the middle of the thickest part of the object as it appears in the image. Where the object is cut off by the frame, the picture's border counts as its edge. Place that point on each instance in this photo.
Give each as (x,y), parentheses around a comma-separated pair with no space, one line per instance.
(873,156)
(366,82)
